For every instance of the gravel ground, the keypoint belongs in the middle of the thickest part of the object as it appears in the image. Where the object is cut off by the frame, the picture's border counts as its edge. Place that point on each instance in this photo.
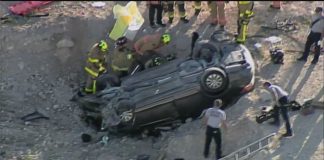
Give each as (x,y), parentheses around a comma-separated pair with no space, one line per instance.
(41,65)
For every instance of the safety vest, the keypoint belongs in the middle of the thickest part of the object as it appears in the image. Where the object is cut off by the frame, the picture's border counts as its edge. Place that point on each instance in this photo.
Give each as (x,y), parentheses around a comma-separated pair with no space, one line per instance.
(244,2)
(95,63)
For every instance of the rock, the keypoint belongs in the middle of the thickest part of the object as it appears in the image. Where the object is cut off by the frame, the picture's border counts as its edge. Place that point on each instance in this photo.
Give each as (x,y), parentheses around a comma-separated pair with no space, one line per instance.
(65,43)
(42,95)
(21,65)
(56,106)
(188,120)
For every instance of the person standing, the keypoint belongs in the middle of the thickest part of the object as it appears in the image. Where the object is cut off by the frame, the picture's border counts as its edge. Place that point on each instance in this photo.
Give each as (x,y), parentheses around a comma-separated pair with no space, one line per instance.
(181,8)
(214,119)
(276,5)
(245,13)
(95,66)
(123,57)
(197,7)
(155,8)
(218,13)
(280,98)
(315,36)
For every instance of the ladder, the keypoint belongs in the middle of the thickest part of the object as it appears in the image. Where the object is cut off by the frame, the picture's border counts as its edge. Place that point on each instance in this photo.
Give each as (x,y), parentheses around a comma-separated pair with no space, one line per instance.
(246,151)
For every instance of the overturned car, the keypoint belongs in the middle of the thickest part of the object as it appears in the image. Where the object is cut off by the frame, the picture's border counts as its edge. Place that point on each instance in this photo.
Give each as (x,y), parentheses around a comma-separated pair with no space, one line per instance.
(174,91)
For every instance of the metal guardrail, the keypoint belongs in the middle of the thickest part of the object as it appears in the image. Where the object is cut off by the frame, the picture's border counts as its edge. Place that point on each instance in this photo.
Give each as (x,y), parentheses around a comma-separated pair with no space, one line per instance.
(246,151)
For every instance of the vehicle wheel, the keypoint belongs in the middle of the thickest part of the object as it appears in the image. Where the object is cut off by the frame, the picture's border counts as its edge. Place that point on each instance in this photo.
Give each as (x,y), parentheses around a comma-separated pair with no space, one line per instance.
(125,110)
(214,80)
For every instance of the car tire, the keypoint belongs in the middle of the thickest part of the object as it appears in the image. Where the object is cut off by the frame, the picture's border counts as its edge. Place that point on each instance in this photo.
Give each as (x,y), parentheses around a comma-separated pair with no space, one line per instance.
(214,80)
(125,110)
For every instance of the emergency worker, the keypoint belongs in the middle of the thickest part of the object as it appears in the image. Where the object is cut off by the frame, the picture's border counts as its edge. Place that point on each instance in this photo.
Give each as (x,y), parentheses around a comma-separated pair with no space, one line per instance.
(280,99)
(214,119)
(95,65)
(197,7)
(315,36)
(181,8)
(245,13)
(218,13)
(276,5)
(122,57)
(151,42)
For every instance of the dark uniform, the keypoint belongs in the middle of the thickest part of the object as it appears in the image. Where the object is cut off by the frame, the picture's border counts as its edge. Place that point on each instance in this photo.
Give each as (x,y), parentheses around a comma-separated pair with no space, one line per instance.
(244,15)
(215,117)
(181,8)
(281,98)
(122,59)
(95,66)
(197,6)
(315,36)
(155,8)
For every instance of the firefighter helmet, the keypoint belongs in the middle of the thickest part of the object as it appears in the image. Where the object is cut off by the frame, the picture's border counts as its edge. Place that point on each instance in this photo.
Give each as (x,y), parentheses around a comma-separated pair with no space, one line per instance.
(121,41)
(103,46)
(166,38)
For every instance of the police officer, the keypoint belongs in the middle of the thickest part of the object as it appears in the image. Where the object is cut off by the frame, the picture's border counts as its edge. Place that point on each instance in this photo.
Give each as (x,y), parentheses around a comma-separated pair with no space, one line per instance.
(151,42)
(214,119)
(280,98)
(245,13)
(122,57)
(315,36)
(181,8)
(95,65)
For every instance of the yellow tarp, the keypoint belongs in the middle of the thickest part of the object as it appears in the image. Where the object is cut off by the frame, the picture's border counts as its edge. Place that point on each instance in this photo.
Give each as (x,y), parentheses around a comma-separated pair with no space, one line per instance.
(127,17)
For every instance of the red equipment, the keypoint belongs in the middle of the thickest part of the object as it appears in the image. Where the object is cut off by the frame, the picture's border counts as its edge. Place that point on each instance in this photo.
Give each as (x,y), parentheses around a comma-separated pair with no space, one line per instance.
(24,8)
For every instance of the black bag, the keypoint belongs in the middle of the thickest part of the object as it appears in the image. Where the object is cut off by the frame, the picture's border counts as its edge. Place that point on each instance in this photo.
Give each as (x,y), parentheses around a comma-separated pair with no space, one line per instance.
(277,56)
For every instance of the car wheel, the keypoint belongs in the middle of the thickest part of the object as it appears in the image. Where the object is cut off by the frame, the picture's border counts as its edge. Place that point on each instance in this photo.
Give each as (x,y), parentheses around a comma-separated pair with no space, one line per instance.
(214,80)
(125,110)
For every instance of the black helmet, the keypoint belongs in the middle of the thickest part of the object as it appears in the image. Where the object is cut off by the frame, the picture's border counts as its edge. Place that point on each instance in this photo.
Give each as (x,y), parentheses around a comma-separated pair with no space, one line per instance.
(121,41)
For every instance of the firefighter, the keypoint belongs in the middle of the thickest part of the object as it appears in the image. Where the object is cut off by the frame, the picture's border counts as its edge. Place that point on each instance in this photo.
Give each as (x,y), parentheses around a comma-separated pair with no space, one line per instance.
(122,57)
(155,9)
(245,13)
(197,6)
(276,5)
(218,13)
(151,42)
(181,8)
(95,65)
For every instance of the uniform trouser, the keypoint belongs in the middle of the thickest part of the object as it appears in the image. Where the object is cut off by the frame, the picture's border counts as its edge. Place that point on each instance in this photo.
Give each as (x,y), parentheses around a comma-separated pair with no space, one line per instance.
(155,9)
(218,12)
(181,8)
(197,5)
(241,9)
(216,134)
(284,112)
(91,85)
(276,4)
(311,39)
